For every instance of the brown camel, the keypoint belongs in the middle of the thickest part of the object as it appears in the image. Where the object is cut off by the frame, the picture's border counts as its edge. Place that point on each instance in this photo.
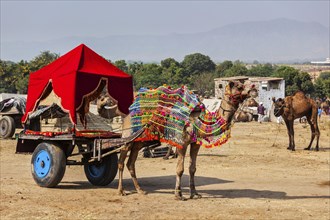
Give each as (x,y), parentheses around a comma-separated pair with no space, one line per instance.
(107,107)
(243,116)
(297,106)
(246,114)
(235,94)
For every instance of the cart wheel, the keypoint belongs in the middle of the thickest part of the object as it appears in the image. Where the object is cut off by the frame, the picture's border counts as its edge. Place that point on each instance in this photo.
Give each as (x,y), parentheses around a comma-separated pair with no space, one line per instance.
(7,127)
(48,165)
(102,173)
(147,153)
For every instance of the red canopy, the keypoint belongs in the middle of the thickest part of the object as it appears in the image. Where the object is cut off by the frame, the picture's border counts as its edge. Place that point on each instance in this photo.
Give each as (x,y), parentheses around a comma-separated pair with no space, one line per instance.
(76,78)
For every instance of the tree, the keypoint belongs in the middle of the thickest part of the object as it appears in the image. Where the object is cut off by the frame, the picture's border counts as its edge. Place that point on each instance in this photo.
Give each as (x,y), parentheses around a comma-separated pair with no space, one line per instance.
(121,64)
(43,59)
(295,80)
(262,70)
(203,83)
(197,63)
(7,70)
(322,85)
(133,69)
(21,77)
(149,76)
(287,73)
(168,62)
(304,82)
(222,67)
(238,69)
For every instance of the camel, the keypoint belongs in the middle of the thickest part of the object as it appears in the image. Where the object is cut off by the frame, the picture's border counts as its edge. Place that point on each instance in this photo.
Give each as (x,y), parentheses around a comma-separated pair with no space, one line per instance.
(297,106)
(235,94)
(243,116)
(246,115)
(107,107)
(240,116)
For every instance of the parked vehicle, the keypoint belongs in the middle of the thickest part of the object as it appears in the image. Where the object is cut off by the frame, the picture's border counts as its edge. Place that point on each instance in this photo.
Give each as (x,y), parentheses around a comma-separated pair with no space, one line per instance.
(11,112)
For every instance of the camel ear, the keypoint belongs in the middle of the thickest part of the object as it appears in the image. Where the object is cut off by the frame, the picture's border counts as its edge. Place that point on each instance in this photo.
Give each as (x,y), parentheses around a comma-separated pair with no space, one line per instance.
(273,99)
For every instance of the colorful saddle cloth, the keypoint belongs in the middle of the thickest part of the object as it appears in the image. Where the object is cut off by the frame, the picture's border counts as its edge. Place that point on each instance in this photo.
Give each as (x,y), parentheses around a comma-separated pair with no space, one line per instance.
(166,112)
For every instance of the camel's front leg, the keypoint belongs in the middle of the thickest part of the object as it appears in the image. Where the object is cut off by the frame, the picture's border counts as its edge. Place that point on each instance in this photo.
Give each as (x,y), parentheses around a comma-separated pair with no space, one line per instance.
(287,123)
(194,148)
(122,157)
(131,165)
(317,133)
(179,173)
(293,145)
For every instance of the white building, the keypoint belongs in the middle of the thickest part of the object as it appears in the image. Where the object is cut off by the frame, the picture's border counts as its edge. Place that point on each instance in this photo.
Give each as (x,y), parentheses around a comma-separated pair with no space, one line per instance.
(324,63)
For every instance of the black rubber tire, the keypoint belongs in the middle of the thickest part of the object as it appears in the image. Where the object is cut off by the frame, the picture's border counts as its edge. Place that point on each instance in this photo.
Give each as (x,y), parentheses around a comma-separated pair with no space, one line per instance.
(102,173)
(54,158)
(7,127)
(147,153)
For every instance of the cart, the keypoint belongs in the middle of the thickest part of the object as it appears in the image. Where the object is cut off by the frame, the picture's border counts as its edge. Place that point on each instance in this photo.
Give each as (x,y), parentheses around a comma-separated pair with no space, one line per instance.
(52,151)
(76,78)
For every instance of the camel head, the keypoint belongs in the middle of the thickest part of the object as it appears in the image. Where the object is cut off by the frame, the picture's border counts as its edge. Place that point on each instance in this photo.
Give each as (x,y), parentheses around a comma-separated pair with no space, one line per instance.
(235,93)
(105,101)
(107,106)
(279,105)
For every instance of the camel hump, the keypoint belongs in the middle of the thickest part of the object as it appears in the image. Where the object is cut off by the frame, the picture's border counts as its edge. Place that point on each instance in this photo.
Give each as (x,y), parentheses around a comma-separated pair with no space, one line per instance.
(299,95)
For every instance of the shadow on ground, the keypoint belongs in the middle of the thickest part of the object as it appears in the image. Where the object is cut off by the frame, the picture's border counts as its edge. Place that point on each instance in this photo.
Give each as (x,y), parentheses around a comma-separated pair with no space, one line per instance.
(165,185)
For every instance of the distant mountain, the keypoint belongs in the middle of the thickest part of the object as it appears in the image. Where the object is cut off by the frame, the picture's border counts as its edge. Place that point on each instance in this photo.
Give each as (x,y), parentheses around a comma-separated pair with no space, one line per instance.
(277,40)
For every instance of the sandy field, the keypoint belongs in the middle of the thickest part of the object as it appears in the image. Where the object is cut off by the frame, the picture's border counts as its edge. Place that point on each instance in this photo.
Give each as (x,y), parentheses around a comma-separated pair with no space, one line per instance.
(253,176)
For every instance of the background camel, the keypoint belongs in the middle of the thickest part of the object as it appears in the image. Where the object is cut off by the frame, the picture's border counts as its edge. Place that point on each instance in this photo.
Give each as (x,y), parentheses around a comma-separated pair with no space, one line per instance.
(235,94)
(246,114)
(107,107)
(297,106)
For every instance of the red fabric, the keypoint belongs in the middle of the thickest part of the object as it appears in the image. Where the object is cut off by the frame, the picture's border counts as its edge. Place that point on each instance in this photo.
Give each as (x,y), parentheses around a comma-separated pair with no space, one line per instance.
(74,75)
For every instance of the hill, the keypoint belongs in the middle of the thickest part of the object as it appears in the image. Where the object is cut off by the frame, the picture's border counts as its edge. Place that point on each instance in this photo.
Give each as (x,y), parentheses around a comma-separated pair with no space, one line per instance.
(279,40)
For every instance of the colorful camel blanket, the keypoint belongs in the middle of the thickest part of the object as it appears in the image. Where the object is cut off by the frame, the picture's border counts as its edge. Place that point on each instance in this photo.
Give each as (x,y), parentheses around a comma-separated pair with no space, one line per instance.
(166,112)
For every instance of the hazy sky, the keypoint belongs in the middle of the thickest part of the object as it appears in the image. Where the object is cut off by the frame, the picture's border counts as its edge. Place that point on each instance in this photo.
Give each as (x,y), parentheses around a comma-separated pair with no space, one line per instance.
(46,20)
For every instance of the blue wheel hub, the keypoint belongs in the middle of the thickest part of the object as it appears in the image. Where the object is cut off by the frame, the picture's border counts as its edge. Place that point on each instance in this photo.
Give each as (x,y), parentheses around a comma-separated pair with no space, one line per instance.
(96,170)
(42,164)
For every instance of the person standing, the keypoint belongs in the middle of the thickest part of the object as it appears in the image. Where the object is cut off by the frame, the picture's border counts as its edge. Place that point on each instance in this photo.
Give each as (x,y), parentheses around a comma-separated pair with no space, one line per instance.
(261,112)
(319,112)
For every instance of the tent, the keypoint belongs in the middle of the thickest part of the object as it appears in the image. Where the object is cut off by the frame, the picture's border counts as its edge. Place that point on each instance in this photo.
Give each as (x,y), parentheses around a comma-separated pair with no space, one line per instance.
(77,78)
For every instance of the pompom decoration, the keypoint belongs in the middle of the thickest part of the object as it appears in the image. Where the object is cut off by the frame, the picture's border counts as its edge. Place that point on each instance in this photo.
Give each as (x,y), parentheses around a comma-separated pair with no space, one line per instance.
(166,111)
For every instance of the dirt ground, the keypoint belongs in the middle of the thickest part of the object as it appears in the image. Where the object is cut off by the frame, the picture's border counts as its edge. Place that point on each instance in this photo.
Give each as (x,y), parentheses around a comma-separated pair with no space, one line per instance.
(253,176)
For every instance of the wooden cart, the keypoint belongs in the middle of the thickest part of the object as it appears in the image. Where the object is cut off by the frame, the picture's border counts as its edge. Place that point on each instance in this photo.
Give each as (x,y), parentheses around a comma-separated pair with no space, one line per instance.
(76,78)
(52,151)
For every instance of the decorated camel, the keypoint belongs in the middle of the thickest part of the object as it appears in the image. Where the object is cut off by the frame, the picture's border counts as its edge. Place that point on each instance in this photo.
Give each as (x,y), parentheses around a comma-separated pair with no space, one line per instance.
(297,106)
(179,119)
(245,115)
